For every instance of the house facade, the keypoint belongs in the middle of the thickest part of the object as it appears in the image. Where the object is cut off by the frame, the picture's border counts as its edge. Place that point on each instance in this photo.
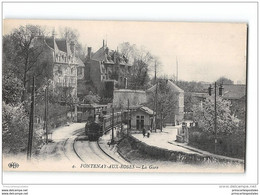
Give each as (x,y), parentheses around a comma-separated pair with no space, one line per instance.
(102,69)
(58,55)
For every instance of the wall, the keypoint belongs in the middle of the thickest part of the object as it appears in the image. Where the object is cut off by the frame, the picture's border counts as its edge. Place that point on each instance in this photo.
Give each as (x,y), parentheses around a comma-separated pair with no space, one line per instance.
(177,156)
(122,96)
(146,119)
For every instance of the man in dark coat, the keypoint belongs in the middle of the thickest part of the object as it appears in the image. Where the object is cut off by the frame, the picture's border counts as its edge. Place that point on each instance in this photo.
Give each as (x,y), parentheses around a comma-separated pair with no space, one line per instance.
(144,132)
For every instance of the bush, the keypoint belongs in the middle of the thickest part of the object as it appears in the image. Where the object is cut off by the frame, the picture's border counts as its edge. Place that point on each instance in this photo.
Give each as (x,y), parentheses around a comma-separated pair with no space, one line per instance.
(231,145)
(16,129)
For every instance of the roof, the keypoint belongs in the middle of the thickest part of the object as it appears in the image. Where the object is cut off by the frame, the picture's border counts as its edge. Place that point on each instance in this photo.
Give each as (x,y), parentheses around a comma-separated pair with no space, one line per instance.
(147,110)
(79,62)
(94,105)
(58,44)
(142,108)
(234,91)
(101,55)
(230,91)
(109,57)
(63,45)
(170,84)
(200,95)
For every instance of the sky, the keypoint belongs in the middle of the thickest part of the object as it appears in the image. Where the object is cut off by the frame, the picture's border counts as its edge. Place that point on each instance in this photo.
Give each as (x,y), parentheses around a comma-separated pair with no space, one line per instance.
(204,51)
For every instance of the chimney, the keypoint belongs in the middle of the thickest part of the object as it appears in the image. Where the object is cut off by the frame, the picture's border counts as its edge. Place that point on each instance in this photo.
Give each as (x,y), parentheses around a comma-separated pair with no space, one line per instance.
(103,43)
(89,53)
(106,51)
(72,47)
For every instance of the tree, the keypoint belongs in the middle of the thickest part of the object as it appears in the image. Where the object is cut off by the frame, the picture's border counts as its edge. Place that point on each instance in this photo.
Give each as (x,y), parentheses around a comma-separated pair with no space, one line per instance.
(224,80)
(166,100)
(91,98)
(15,130)
(190,86)
(142,61)
(127,50)
(139,77)
(205,115)
(12,89)
(72,35)
(22,53)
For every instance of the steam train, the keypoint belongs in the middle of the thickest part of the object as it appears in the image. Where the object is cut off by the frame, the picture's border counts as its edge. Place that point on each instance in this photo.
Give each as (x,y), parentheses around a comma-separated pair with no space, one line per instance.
(99,125)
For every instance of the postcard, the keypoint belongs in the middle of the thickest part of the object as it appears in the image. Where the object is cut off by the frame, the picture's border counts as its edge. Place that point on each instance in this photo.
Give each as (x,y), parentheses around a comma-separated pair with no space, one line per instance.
(124,96)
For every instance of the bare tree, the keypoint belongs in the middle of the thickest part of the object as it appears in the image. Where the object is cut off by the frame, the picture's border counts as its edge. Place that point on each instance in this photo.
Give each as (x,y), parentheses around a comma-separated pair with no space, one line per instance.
(73,35)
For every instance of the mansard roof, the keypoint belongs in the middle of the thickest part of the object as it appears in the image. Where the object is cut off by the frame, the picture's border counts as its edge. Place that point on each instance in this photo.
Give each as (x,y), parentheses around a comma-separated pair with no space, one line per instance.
(58,44)
(109,56)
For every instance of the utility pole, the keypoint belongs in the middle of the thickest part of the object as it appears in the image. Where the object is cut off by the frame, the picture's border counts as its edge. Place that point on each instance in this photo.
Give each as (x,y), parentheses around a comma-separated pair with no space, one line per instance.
(155,97)
(128,117)
(112,140)
(156,110)
(161,118)
(46,112)
(176,69)
(31,123)
(215,122)
(215,110)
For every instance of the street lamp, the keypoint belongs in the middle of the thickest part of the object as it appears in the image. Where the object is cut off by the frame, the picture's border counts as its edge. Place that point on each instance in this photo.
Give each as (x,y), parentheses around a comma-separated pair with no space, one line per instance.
(215,121)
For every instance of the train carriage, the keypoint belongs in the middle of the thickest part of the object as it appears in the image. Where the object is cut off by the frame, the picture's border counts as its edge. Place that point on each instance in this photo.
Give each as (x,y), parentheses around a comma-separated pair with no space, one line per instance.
(95,128)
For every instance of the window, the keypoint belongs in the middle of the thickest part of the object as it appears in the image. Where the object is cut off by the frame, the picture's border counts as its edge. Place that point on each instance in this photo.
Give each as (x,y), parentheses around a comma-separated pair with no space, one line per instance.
(80,71)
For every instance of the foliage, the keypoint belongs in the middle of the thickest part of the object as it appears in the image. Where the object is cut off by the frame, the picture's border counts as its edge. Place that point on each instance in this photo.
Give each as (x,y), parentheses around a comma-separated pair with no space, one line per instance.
(16,128)
(73,35)
(189,101)
(190,86)
(142,61)
(91,98)
(205,115)
(166,100)
(12,89)
(22,51)
(232,145)
(139,77)
(224,80)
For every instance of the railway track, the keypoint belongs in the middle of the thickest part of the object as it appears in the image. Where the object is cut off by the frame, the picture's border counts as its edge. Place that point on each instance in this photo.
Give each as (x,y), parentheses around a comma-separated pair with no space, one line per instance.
(78,151)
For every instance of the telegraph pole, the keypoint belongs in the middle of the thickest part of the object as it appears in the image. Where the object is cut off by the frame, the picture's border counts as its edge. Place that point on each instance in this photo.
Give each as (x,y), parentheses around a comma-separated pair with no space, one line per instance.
(46,112)
(156,110)
(215,110)
(176,69)
(128,117)
(31,123)
(215,122)
(161,119)
(112,140)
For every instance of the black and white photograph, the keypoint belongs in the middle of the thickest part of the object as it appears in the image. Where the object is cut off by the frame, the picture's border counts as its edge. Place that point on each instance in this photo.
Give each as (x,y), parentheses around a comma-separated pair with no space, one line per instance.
(124,96)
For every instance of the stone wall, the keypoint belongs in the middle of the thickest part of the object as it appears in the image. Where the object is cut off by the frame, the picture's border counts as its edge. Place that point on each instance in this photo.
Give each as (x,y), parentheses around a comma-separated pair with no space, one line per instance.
(177,156)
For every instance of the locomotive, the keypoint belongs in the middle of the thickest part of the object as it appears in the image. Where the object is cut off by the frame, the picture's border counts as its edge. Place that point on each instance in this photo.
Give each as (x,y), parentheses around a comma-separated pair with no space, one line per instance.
(97,125)
(94,129)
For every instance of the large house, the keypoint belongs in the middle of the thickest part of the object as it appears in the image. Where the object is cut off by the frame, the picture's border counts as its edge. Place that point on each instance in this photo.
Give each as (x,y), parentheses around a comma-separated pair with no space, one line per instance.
(104,70)
(58,55)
